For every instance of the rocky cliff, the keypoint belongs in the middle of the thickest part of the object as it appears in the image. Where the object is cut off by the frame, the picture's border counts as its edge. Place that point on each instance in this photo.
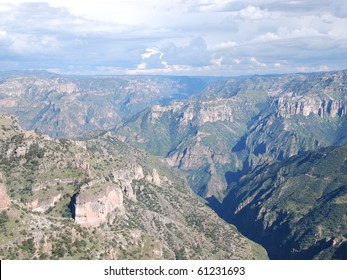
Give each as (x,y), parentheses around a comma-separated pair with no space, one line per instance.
(297,208)
(101,199)
(233,126)
(223,129)
(306,105)
(4,198)
(93,209)
(74,106)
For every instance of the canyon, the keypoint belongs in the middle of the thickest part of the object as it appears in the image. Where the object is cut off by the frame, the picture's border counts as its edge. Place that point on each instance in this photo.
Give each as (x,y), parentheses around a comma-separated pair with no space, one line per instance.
(140,157)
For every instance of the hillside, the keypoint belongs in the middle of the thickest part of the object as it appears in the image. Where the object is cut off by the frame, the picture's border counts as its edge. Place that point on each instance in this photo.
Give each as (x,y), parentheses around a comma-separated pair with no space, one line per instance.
(101,199)
(71,106)
(233,126)
(240,143)
(297,208)
(213,129)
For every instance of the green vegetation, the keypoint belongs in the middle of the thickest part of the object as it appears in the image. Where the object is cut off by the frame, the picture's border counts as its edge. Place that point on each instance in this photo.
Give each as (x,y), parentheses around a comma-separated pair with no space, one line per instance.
(3,220)
(301,203)
(48,180)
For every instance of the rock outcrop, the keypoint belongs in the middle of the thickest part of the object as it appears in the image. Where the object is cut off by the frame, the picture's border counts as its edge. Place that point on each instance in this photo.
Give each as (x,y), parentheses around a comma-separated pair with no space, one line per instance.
(70,106)
(306,105)
(124,177)
(4,198)
(93,209)
(295,208)
(104,201)
(42,205)
(154,178)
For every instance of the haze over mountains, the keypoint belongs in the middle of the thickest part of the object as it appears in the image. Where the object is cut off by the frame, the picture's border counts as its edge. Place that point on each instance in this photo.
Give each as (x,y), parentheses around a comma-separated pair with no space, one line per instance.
(252,146)
(63,106)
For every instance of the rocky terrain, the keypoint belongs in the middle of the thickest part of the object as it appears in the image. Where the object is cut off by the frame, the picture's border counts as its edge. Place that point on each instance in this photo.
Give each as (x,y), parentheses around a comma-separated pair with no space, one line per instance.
(71,106)
(215,130)
(101,199)
(298,208)
(262,150)
(233,126)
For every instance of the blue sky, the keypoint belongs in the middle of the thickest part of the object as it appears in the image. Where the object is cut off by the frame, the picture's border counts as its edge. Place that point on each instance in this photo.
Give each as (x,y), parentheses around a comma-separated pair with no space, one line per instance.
(174,37)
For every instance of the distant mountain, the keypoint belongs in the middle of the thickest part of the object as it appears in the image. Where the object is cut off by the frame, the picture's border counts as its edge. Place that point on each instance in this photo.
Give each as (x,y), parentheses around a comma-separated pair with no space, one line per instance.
(297,209)
(251,146)
(235,125)
(71,106)
(101,199)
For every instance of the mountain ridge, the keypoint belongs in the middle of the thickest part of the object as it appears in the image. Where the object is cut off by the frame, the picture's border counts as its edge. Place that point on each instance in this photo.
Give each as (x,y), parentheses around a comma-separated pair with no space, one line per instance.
(221,138)
(101,199)
(297,208)
(231,118)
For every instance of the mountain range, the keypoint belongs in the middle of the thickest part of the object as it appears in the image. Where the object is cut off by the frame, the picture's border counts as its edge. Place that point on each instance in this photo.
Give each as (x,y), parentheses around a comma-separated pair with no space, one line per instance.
(101,199)
(266,153)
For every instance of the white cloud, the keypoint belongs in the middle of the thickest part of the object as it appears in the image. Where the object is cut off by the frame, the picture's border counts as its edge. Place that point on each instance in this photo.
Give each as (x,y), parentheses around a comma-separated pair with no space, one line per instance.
(252,13)
(237,61)
(256,62)
(309,68)
(217,61)
(293,34)
(173,36)
(150,52)
(268,36)
(31,44)
(142,66)
(5,7)
(223,45)
(207,5)
(3,34)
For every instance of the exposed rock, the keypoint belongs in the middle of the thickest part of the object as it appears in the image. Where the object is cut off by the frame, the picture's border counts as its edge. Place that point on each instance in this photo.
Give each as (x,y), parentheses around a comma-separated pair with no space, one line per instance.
(52,183)
(4,198)
(93,210)
(42,205)
(21,151)
(125,176)
(65,106)
(157,252)
(156,178)
(216,112)
(306,105)
(112,254)
(66,88)
(155,224)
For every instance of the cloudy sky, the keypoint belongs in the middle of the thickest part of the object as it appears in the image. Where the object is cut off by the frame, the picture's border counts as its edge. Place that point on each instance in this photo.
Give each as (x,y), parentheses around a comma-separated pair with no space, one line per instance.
(175,37)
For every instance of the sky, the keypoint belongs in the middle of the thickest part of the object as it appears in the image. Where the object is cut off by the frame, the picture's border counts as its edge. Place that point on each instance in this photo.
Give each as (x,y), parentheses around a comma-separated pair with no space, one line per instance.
(173,37)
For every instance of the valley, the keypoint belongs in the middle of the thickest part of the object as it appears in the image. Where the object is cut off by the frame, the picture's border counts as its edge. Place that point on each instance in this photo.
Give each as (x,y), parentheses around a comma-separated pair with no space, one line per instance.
(101,199)
(123,158)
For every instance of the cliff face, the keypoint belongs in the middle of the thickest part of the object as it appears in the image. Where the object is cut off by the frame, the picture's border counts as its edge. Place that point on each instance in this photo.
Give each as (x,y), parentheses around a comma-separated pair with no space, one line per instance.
(102,199)
(4,198)
(43,204)
(198,113)
(235,125)
(306,105)
(70,107)
(296,208)
(93,210)
(195,136)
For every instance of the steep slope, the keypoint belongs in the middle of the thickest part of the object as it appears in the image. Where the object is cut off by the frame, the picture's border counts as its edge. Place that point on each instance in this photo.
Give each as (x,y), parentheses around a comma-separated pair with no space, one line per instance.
(235,125)
(196,136)
(68,106)
(101,199)
(298,208)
